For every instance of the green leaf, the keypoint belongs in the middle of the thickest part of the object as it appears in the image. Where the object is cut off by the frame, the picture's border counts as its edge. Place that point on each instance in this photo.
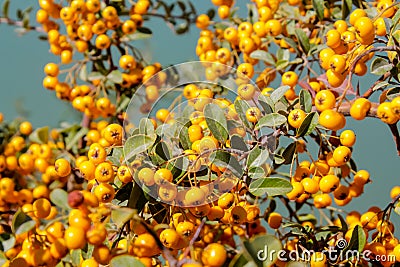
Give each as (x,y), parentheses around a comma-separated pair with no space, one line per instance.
(6,6)
(256,173)
(288,153)
(281,64)
(115,157)
(137,144)
(95,75)
(83,75)
(144,30)
(146,126)
(241,107)
(305,100)
(380,66)
(137,199)
(19,218)
(216,122)
(7,241)
(278,93)
(268,244)
(226,160)
(271,186)
(73,139)
(121,215)
(343,223)
(357,241)
(271,120)
(25,227)
(257,157)
(303,39)
(283,54)
(308,125)
(395,21)
(115,76)
(162,151)
(124,261)
(239,261)
(308,217)
(184,138)
(59,197)
(237,142)
(266,103)
(264,56)
(319,8)
(136,36)
(76,256)
(25,20)
(346,8)
(40,135)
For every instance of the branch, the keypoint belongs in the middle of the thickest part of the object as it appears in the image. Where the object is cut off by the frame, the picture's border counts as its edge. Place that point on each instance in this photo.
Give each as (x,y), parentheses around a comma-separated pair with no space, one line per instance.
(21,24)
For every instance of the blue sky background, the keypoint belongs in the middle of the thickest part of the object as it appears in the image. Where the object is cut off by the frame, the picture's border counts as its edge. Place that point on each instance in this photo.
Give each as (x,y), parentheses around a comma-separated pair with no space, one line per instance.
(22,60)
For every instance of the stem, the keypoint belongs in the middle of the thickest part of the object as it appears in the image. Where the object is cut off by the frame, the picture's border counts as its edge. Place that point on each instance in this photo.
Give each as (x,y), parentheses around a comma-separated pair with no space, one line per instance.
(21,24)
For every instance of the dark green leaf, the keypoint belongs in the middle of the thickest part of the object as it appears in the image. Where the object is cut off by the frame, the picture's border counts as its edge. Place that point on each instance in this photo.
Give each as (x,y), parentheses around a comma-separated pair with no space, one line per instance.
(346,8)
(162,151)
(144,30)
(40,135)
(303,39)
(343,223)
(264,56)
(357,241)
(380,66)
(59,197)
(271,120)
(271,186)
(226,160)
(137,199)
(115,76)
(137,144)
(237,142)
(319,8)
(305,100)
(308,125)
(216,122)
(279,92)
(288,153)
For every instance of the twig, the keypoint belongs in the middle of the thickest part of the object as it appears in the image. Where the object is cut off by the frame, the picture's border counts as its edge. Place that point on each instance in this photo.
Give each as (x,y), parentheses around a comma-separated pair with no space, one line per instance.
(21,24)
(396,136)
